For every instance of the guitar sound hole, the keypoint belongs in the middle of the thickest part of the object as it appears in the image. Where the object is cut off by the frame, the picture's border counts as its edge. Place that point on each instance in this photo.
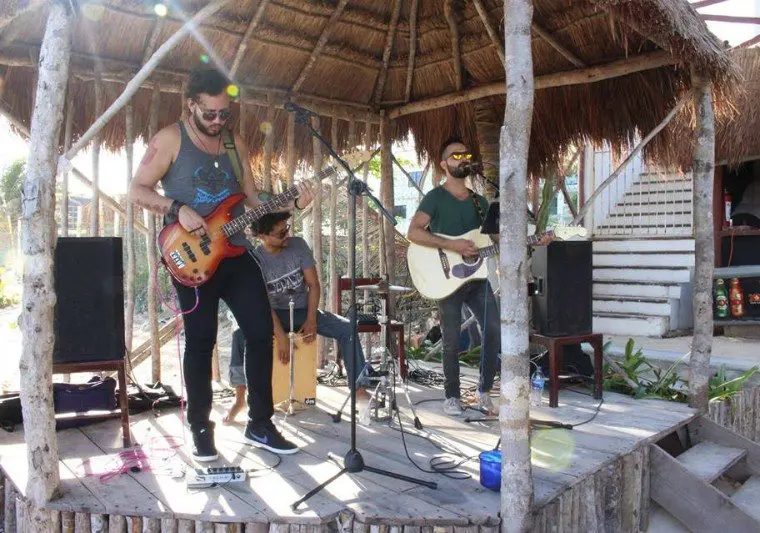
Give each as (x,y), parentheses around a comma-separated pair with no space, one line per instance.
(470,259)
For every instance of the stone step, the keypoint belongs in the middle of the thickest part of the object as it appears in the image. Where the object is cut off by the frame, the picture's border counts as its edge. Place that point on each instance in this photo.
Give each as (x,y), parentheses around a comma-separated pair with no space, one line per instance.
(669,187)
(658,259)
(603,289)
(643,245)
(632,305)
(747,497)
(647,195)
(649,232)
(661,521)
(636,206)
(622,220)
(631,325)
(648,275)
(709,461)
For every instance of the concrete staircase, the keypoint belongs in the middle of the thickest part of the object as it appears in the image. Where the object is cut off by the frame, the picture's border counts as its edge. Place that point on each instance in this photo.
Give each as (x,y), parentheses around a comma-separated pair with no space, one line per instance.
(641,287)
(714,485)
(643,256)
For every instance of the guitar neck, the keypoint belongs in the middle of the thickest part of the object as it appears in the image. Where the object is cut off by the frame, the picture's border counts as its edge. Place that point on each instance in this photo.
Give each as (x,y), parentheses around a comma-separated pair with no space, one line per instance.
(278,202)
(492,250)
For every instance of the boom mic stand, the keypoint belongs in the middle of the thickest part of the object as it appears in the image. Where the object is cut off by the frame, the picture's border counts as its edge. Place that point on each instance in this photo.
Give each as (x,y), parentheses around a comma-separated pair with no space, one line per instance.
(353,462)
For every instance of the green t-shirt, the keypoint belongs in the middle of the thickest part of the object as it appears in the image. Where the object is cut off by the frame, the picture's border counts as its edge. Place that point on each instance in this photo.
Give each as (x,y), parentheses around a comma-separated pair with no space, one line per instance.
(449,215)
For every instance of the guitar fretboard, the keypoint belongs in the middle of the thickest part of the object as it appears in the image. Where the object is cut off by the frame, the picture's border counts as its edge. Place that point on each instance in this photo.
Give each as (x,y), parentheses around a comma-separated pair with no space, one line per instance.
(492,250)
(278,202)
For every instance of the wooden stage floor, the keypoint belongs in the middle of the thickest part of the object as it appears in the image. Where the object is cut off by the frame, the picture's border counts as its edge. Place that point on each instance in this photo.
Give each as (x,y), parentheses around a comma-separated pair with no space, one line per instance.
(561,459)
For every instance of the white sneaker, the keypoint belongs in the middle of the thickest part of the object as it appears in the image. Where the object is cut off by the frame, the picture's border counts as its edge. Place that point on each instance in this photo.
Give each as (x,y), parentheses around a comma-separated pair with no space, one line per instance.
(485,404)
(453,407)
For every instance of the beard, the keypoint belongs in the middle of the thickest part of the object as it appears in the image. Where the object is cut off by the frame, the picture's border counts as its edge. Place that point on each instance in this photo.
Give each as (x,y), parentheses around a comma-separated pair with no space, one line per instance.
(458,171)
(205,129)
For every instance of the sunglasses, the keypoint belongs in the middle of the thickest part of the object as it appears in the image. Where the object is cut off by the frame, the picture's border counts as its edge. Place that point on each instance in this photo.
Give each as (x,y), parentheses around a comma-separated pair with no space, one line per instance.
(209,116)
(461,155)
(282,233)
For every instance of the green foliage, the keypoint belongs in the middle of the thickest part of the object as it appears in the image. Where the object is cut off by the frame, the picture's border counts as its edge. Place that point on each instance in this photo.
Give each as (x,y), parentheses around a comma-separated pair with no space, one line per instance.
(548,192)
(8,295)
(722,388)
(11,181)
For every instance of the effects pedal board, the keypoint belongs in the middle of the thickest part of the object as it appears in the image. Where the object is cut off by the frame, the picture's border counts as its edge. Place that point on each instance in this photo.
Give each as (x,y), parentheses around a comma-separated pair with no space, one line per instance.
(201,478)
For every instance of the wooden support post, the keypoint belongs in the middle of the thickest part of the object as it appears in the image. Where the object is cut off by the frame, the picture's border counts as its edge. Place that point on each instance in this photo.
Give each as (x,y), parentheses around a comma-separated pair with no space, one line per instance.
(95,204)
(390,37)
(316,220)
(702,200)
(514,421)
(456,55)
(129,233)
(365,222)
(333,274)
(492,33)
(387,198)
(243,46)
(290,148)
(38,242)
(268,148)
(152,253)
(67,133)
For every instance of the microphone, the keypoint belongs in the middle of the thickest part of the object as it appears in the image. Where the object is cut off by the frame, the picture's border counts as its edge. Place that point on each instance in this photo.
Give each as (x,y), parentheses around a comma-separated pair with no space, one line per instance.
(473,168)
(297,109)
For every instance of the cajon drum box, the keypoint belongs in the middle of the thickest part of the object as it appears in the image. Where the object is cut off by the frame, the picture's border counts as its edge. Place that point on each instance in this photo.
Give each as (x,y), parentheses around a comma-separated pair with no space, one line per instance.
(304,380)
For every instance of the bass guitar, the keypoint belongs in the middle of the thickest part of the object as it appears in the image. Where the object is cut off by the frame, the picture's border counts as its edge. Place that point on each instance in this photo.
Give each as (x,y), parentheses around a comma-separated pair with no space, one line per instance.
(437,273)
(192,260)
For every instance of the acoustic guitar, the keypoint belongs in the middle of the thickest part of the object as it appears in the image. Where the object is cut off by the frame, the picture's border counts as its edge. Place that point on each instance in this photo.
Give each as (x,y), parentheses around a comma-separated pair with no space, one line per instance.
(193,260)
(437,273)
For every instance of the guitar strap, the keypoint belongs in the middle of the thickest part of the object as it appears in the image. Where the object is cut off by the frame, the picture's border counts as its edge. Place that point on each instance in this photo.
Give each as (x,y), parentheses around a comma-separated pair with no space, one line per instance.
(229,144)
(478,208)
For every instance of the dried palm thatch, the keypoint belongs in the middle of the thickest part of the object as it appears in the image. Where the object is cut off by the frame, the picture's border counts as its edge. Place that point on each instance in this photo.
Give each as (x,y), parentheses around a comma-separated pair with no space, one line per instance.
(737,131)
(354,59)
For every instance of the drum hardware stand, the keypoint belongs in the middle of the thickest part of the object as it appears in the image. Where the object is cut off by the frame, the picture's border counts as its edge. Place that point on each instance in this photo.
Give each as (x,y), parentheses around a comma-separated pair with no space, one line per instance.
(353,462)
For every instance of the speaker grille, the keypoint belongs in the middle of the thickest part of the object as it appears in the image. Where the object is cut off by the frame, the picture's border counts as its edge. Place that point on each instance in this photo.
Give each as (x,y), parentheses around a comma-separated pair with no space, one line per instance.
(89,313)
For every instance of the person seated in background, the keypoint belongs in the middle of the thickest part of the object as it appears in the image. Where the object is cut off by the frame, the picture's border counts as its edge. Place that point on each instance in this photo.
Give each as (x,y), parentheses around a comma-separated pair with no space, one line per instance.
(290,271)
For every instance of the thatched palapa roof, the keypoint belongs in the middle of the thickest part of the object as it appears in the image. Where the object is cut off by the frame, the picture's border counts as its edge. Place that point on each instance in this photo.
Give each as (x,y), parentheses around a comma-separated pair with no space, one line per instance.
(351,59)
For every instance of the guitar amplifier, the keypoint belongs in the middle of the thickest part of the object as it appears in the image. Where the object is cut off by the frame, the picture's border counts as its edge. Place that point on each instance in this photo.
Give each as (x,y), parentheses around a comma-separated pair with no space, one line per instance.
(562,304)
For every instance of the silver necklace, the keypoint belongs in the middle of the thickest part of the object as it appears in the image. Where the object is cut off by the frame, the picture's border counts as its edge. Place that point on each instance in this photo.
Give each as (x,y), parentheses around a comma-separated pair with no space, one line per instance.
(205,148)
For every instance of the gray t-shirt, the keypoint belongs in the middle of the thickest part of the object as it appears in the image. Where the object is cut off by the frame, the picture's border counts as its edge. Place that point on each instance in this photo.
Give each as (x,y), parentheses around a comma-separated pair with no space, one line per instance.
(283,273)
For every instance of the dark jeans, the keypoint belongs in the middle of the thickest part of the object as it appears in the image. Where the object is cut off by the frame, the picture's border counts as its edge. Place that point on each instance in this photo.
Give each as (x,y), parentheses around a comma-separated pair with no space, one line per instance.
(329,325)
(480,299)
(238,282)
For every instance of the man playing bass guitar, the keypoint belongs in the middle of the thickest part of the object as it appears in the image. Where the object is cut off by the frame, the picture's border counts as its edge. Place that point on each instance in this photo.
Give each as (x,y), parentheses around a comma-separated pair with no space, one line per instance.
(197,173)
(453,209)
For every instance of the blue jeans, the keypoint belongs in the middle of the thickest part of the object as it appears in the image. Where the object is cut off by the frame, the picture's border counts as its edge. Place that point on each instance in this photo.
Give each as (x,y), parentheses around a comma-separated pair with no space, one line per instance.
(328,325)
(480,299)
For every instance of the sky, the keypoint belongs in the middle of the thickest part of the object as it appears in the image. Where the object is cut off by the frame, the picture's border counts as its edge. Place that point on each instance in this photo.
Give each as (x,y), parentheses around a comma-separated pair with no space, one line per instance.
(112,166)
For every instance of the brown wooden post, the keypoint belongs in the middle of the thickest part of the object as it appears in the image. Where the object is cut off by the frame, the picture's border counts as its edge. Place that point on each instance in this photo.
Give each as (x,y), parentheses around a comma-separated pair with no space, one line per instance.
(129,233)
(38,243)
(155,345)
(95,204)
(290,148)
(702,297)
(269,145)
(316,220)
(514,421)
(387,198)
(333,275)
(365,213)
(67,133)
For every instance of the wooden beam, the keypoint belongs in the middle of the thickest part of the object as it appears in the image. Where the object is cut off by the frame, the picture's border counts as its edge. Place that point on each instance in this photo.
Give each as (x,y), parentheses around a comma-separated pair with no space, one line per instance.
(67,133)
(136,82)
(95,153)
(730,18)
(388,200)
(456,52)
(405,173)
(333,241)
(290,148)
(38,297)
(245,39)
(705,3)
(321,42)
(413,13)
(150,242)
(590,200)
(551,41)
(704,257)
(129,233)
(592,74)
(749,42)
(9,16)
(389,38)
(489,28)
(152,41)
(268,148)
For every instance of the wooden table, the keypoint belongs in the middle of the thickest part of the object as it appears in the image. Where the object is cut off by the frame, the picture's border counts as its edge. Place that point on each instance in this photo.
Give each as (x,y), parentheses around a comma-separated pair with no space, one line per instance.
(555,345)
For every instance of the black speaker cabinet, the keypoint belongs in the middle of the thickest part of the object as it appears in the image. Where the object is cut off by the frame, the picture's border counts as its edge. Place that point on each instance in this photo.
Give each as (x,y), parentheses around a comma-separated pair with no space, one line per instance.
(562,271)
(89,313)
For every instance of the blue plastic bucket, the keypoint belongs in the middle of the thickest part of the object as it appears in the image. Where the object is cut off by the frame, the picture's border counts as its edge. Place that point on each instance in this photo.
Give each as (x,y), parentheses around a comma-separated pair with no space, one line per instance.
(490,469)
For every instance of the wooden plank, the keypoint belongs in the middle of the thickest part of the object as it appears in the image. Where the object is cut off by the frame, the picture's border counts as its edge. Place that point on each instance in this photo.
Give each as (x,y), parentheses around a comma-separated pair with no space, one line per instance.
(708,461)
(701,507)
(709,430)
(748,497)
(117,524)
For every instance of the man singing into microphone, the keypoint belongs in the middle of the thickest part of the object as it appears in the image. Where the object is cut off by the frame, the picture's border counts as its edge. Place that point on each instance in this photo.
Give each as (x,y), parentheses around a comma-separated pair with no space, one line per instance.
(453,209)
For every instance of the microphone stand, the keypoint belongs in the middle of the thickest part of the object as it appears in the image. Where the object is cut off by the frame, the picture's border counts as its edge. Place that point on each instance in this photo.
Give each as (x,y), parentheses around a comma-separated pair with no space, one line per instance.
(353,462)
